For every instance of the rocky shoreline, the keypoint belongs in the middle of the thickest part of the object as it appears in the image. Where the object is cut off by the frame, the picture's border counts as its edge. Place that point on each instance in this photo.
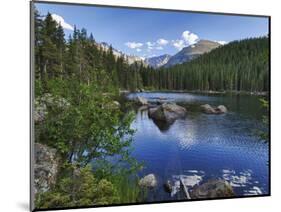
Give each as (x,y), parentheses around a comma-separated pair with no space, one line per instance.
(213,188)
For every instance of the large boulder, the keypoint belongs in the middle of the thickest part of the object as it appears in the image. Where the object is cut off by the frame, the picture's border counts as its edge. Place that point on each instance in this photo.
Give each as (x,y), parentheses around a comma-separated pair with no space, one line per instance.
(167,112)
(141,100)
(45,168)
(148,181)
(213,110)
(212,189)
(40,111)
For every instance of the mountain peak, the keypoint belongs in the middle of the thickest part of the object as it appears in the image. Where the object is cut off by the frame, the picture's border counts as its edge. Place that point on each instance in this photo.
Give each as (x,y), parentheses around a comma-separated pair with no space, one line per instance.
(190,52)
(158,61)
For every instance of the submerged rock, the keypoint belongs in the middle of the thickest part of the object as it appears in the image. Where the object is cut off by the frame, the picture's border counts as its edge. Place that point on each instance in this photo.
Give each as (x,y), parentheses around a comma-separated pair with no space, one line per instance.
(167,112)
(141,100)
(212,189)
(45,167)
(168,186)
(148,181)
(213,110)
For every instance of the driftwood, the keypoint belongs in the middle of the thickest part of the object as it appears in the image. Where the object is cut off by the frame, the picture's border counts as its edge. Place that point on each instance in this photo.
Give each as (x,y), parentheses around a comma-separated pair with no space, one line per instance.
(185,189)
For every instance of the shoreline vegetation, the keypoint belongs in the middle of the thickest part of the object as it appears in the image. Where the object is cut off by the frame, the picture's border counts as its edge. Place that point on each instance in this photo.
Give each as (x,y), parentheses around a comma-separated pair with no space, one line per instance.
(229,92)
(79,120)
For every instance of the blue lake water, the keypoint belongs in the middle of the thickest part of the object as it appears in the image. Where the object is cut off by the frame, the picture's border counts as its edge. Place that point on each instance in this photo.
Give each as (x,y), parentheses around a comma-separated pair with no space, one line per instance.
(201,146)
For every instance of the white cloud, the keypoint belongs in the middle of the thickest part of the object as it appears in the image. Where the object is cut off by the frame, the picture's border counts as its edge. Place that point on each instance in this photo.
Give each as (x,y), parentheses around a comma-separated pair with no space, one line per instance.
(178,44)
(62,22)
(221,42)
(189,38)
(159,48)
(133,45)
(150,44)
(162,42)
(138,50)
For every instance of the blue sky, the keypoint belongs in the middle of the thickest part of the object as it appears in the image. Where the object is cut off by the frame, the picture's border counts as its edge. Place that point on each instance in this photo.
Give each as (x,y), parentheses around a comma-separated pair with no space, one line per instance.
(149,33)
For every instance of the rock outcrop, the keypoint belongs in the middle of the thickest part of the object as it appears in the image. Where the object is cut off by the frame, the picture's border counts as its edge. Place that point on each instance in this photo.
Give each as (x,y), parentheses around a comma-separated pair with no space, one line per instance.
(212,189)
(167,112)
(213,110)
(45,168)
(47,100)
(148,181)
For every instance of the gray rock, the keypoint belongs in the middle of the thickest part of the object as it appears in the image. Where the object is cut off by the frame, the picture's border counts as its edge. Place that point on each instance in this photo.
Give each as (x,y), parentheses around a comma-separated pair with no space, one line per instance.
(167,112)
(213,110)
(40,111)
(212,189)
(208,109)
(148,181)
(116,103)
(47,100)
(168,186)
(141,100)
(222,109)
(45,167)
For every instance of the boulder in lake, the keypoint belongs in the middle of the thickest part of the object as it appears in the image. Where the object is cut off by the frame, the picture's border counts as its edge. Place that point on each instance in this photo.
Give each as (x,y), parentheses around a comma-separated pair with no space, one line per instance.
(222,109)
(213,110)
(148,181)
(212,189)
(167,112)
(141,100)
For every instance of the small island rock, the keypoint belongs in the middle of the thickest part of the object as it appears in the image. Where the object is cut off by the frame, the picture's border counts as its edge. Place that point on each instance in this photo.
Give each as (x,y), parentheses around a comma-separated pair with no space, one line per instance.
(167,112)
(213,110)
(222,109)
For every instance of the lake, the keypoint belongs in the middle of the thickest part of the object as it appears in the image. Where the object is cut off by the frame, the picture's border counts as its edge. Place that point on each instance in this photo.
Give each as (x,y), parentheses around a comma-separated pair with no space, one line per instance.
(203,146)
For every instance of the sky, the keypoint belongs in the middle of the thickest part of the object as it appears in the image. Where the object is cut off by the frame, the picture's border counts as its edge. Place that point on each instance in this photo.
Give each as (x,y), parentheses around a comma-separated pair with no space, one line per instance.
(148,33)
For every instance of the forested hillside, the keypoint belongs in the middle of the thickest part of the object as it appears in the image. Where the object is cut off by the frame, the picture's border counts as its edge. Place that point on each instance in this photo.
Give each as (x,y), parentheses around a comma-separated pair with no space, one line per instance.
(79,57)
(237,66)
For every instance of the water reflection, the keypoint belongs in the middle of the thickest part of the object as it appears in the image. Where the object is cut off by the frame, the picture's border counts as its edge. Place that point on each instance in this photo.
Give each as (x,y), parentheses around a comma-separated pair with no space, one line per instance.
(242,179)
(202,147)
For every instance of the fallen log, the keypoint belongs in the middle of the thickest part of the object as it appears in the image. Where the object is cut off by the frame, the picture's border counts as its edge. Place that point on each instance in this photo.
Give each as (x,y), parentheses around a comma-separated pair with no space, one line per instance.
(185,189)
